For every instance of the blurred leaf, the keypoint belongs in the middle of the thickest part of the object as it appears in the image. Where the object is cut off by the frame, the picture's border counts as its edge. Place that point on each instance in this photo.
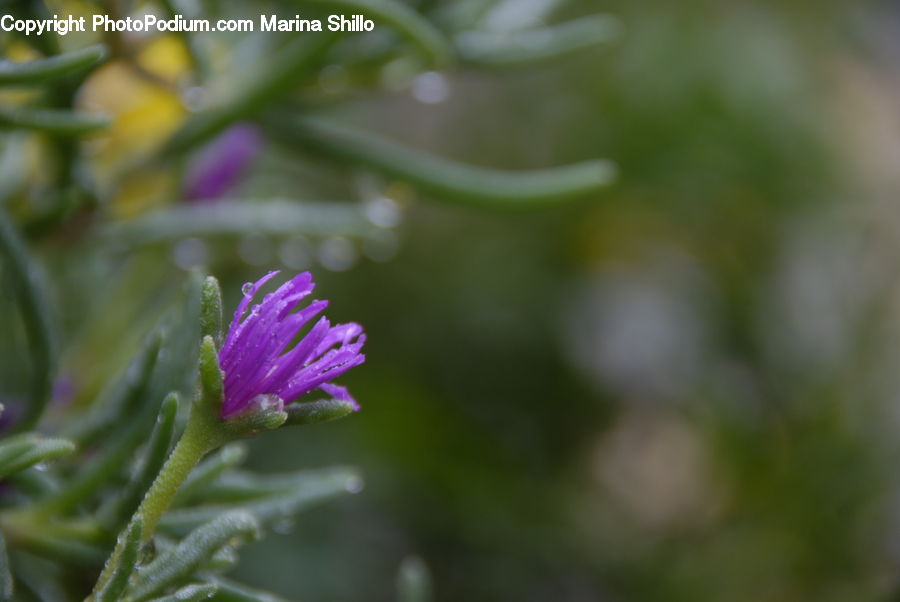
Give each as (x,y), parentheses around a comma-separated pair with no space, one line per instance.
(45,70)
(236,218)
(37,577)
(120,399)
(402,18)
(35,483)
(52,121)
(15,446)
(446,179)
(271,81)
(111,460)
(39,450)
(285,496)
(13,164)
(35,309)
(63,548)
(505,49)
(154,458)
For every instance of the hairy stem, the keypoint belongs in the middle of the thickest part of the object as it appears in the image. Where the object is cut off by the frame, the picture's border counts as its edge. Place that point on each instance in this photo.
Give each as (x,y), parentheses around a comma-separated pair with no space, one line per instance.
(201,436)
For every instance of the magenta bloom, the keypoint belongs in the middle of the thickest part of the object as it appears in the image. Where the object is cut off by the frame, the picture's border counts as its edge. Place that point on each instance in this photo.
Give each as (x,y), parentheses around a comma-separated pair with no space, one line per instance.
(255,358)
(223,163)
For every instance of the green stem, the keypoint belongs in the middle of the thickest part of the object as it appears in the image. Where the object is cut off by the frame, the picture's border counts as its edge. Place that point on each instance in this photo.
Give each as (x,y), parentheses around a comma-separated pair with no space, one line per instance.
(202,435)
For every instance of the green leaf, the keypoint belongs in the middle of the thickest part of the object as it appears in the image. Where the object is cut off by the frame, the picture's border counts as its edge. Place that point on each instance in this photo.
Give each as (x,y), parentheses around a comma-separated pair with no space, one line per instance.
(211,376)
(314,412)
(120,399)
(505,49)
(177,370)
(229,591)
(196,591)
(37,578)
(34,305)
(110,461)
(46,70)
(176,565)
(125,563)
(154,457)
(14,447)
(41,450)
(290,495)
(414,581)
(62,548)
(211,310)
(209,470)
(402,18)
(271,81)
(280,217)
(222,560)
(445,179)
(52,121)
(35,483)
(6,578)
(172,372)
(13,164)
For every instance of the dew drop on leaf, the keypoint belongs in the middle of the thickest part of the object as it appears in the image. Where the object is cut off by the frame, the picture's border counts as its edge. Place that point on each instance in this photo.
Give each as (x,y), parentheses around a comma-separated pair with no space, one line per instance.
(354,484)
(283,526)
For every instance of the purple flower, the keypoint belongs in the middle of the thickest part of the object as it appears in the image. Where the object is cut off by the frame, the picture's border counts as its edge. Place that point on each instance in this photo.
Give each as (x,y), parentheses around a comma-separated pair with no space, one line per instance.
(255,358)
(223,162)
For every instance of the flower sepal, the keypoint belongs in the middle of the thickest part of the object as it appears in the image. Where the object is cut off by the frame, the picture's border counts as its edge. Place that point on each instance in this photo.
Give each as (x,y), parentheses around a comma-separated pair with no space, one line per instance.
(315,412)
(212,388)
(263,413)
(211,310)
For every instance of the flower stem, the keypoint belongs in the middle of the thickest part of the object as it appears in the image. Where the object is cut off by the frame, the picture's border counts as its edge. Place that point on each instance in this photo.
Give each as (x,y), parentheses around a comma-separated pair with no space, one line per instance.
(202,435)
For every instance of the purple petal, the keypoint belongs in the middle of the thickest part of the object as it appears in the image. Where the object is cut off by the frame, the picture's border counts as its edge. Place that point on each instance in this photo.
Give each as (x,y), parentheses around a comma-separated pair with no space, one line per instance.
(223,162)
(340,393)
(254,357)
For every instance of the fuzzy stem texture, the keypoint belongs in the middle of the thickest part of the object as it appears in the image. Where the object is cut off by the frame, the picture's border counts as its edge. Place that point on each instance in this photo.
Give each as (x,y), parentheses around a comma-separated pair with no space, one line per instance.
(203,434)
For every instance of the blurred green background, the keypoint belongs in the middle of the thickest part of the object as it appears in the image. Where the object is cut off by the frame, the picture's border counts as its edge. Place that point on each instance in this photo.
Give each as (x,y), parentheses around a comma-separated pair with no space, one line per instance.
(683,388)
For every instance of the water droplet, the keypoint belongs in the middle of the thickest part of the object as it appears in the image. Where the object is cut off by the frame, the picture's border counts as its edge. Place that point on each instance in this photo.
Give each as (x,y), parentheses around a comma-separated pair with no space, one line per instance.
(431,88)
(354,484)
(337,254)
(255,309)
(248,286)
(296,253)
(383,212)
(283,525)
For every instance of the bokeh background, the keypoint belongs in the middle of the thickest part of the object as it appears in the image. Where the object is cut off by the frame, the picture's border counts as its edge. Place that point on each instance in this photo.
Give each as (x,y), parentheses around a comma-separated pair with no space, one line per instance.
(683,387)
